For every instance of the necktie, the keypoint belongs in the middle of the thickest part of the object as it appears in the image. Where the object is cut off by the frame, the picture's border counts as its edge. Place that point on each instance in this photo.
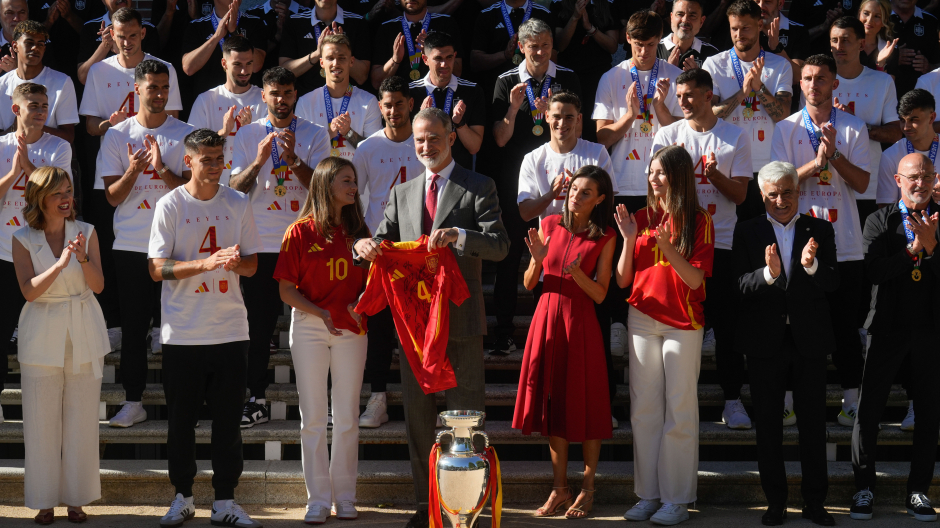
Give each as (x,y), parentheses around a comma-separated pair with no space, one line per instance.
(430,205)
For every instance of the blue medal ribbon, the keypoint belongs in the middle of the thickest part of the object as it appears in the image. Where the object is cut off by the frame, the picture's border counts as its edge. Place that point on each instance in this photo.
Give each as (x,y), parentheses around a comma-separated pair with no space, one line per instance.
(933,149)
(650,90)
(328,103)
(505,10)
(414,56)
(739,74)
(811,131)
(280,166)
(908,232)
(537,116)
(215,24)
(448,101)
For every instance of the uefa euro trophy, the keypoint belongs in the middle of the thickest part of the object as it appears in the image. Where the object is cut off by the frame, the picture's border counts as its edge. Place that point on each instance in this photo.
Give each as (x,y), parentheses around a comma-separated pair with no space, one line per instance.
(463,474)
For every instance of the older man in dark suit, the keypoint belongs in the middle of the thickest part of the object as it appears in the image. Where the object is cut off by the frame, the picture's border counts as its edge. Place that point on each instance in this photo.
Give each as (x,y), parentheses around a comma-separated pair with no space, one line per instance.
(457,207)
(785,263)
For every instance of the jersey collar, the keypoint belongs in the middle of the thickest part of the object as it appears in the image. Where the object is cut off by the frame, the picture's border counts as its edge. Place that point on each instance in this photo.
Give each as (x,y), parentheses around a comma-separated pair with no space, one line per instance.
(784,22)
(294,7)
(918,13)
(667,41)
(313,16)
(524,73)
(452,84)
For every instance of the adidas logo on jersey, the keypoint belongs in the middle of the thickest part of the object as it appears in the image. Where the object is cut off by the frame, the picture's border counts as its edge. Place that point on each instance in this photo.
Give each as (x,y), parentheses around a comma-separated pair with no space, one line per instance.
(314,248)
(818,3)
(144,205)
(397,275)
(274,207)
(202,288)
(14,222)
(309,36)
(500,26)
(634,156)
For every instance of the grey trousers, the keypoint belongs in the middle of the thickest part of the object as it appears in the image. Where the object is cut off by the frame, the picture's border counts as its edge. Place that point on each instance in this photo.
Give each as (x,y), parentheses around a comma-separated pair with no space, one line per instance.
(466,356)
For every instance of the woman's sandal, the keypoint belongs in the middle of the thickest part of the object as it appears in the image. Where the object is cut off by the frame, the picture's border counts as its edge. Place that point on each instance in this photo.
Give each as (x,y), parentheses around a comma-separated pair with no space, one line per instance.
(541,512)
(584,508)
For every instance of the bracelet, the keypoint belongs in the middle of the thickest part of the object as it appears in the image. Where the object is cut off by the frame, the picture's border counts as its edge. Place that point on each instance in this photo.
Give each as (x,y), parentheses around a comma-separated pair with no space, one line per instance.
(84,261)
(393,61)
(310,62)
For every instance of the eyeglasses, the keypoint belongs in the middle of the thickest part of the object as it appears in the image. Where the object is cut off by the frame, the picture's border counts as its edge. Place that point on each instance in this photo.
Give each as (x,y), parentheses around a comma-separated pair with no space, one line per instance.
(921,179)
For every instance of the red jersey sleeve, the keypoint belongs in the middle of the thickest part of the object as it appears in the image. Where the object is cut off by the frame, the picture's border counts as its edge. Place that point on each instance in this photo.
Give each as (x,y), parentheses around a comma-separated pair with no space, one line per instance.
(289,259)
(373,300)
(703,252)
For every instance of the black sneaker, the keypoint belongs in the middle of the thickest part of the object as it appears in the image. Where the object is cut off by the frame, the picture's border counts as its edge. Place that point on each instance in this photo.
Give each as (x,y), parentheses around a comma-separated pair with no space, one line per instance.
(918,505)
(861,505)
(254,414)
(503,346)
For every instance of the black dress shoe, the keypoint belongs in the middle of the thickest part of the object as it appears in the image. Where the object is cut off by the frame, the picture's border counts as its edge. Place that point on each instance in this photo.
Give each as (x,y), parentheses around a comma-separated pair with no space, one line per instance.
(418,520)
(818,515)
(774,516)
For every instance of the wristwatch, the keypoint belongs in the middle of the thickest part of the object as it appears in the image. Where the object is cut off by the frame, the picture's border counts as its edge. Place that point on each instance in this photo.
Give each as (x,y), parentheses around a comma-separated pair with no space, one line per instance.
(162,171)
(349,135)
(835,155)
(779,49)
(296,163)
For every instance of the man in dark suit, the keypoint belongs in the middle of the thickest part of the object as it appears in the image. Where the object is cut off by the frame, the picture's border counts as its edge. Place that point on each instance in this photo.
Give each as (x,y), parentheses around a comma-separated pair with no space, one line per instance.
(457,207)
(785,263)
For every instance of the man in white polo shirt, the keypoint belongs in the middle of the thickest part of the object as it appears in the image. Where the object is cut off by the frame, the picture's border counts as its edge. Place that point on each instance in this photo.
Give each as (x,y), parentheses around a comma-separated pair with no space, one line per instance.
(829,148)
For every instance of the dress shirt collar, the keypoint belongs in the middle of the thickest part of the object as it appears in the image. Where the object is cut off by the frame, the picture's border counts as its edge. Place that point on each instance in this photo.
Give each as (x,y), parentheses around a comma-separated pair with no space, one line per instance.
(789,225)
(667,41)
(452,84)
(443,176)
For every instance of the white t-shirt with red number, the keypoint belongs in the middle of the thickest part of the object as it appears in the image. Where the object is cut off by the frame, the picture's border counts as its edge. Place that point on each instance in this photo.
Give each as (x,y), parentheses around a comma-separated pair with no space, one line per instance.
(110,87)
(63,105)
(210,108)
(732,151)
(380,165)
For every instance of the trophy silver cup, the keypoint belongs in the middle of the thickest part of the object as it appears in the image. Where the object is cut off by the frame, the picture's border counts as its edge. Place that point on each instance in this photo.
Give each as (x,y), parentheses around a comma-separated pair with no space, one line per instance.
(463,474)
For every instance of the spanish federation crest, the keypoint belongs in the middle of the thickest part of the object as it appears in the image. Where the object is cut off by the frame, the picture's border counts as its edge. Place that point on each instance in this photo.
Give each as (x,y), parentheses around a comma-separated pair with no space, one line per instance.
(80,5)
(223,286)
(847,4)
(784,39)
(206,8)
(431,261)
(919,30)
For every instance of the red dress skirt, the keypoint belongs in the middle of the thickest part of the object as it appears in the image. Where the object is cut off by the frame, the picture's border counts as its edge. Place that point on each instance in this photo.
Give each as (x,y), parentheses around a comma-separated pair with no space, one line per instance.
(563,383)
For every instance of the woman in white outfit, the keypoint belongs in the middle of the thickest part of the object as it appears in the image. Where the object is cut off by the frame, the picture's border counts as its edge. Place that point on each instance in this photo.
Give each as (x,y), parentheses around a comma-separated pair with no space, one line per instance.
(62,340)
(668,251)
(318,279)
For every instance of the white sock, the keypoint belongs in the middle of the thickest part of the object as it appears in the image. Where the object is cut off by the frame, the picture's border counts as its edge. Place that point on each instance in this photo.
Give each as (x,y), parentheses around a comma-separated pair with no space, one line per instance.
(788,399)
(260,401)
(218,505)
(382,394)
(849,398)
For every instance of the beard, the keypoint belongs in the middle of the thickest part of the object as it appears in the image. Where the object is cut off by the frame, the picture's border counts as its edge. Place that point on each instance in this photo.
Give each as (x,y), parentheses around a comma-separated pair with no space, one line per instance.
(280,115)
(436,160)
(915,199)
(241,84)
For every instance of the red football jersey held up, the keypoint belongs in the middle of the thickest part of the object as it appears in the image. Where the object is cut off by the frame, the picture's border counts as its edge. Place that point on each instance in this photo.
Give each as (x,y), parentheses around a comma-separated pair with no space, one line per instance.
(419,286)
(323,271)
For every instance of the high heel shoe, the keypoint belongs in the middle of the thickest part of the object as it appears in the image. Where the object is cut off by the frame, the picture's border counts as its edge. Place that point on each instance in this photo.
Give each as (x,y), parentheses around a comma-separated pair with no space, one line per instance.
(584,508)
(541,512)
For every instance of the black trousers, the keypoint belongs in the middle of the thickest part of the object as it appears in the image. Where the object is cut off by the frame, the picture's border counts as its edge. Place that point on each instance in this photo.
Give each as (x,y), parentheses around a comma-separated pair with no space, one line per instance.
(101,214)
(139,298)
(885,356)
(214,374)
(505,294)
(843,311)
(264,304)
(10,309)
(382,341)
(719,312)
(768,384)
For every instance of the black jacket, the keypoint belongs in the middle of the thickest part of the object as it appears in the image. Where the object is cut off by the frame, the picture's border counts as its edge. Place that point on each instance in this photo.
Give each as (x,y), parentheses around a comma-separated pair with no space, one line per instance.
(763,308)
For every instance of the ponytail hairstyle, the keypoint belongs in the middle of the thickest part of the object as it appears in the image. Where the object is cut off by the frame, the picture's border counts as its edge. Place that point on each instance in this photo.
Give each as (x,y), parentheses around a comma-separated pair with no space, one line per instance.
(603,213)
(681,203)
(319,203)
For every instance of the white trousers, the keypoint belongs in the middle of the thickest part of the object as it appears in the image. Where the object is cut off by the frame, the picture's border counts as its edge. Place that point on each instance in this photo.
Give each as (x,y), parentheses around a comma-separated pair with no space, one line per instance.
(60,430)
(316,354)
(664,368)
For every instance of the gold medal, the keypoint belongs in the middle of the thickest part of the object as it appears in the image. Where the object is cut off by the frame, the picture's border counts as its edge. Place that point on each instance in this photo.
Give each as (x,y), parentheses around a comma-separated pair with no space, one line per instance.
(517,59)
(415,75)
(334,153)
(916,274)
(280,191)
(646,127)
(537,130)
(323,73)
(825,176)
(748,113)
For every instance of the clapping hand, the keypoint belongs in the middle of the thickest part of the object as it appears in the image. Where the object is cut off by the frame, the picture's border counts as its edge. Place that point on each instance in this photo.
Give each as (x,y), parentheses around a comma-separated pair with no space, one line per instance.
(711,165)
(773,33)
(460,108)
(234,259)
(538,248)
(809,253)
(119,116)
(752,79)
(772,259)
(626,222)
(827,143)
(574,265)
(138,160)
(663,234)
(633,103)
(924,228)
(662,91)
(886,52)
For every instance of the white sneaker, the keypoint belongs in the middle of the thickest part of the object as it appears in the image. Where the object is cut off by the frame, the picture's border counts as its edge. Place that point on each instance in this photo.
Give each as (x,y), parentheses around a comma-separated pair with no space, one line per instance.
(642,510)
(232,515)
(181,510)
(613,422)
(114,338)
(789,417)
(130,414)
(345,510)
(316,515)
(847,416)
(734,416)
(708,343)
(618,339)
(671,514)
(907,424)
(156,346)
(376,412)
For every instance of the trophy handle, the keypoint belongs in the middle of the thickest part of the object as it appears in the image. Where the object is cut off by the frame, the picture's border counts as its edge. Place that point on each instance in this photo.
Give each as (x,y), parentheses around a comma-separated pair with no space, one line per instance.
(443,433)
(486,439)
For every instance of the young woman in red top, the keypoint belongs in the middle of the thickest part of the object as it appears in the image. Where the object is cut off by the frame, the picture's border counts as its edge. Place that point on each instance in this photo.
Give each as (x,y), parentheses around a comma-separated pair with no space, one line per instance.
(318,279)
(559,394)
(667,254)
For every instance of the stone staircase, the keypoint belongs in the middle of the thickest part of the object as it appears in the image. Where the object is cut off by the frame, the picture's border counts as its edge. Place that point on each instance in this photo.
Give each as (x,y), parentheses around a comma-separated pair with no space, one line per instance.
(134,459)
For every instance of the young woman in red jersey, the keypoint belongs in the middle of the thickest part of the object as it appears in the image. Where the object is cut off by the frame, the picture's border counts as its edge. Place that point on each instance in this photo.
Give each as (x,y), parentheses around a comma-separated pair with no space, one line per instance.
(318,279)
(667,253)
(559,394)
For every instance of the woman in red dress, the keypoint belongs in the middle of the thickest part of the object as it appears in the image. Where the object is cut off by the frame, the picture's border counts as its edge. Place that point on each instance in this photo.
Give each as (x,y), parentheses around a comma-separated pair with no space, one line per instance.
(559,393)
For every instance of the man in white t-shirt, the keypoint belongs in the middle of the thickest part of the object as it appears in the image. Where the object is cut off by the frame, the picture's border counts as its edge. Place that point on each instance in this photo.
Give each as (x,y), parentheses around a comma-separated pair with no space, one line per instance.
(930,81)
(752,90)
(273,161)
(202,242)
(230,106)
(140,160)
(20,153)
(869,95)
(722,156)
(351,114)
(917,111)
(385,159)
(829,148)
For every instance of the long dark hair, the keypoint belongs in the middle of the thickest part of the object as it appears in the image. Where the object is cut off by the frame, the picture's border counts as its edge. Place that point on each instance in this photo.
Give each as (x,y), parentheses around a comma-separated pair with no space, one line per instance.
(603,213)
(319,203)
(600,16)
(681,200)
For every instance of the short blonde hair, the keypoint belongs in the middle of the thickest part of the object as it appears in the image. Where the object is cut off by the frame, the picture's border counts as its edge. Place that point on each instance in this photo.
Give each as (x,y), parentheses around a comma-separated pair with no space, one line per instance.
(43,182)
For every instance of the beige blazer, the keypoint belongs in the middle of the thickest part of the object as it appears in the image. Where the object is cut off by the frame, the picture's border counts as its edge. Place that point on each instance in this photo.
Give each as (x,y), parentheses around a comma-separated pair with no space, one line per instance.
(68,306)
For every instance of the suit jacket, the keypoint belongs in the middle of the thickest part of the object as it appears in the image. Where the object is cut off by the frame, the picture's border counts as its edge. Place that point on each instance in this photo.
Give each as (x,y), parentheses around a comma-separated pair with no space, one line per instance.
(469,202)
(764,308)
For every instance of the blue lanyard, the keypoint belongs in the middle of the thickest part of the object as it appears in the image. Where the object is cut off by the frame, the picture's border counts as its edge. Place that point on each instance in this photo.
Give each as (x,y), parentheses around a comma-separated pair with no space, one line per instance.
(275,156)
(447,101)
(505,10)
(536,114)
(650,90)
(410,42)
(933,151)
(215,24)
(908,232)
(811,131)
(736,65)
(328,103)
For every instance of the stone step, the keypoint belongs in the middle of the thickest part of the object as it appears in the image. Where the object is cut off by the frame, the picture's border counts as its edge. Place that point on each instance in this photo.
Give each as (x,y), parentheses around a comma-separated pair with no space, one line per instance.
(144,482)
(393,432)
(497,395)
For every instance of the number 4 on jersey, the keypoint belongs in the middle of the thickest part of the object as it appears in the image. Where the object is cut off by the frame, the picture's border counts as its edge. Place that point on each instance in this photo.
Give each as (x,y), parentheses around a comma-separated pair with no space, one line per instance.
(210,237)
(128,105)
(400,177)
